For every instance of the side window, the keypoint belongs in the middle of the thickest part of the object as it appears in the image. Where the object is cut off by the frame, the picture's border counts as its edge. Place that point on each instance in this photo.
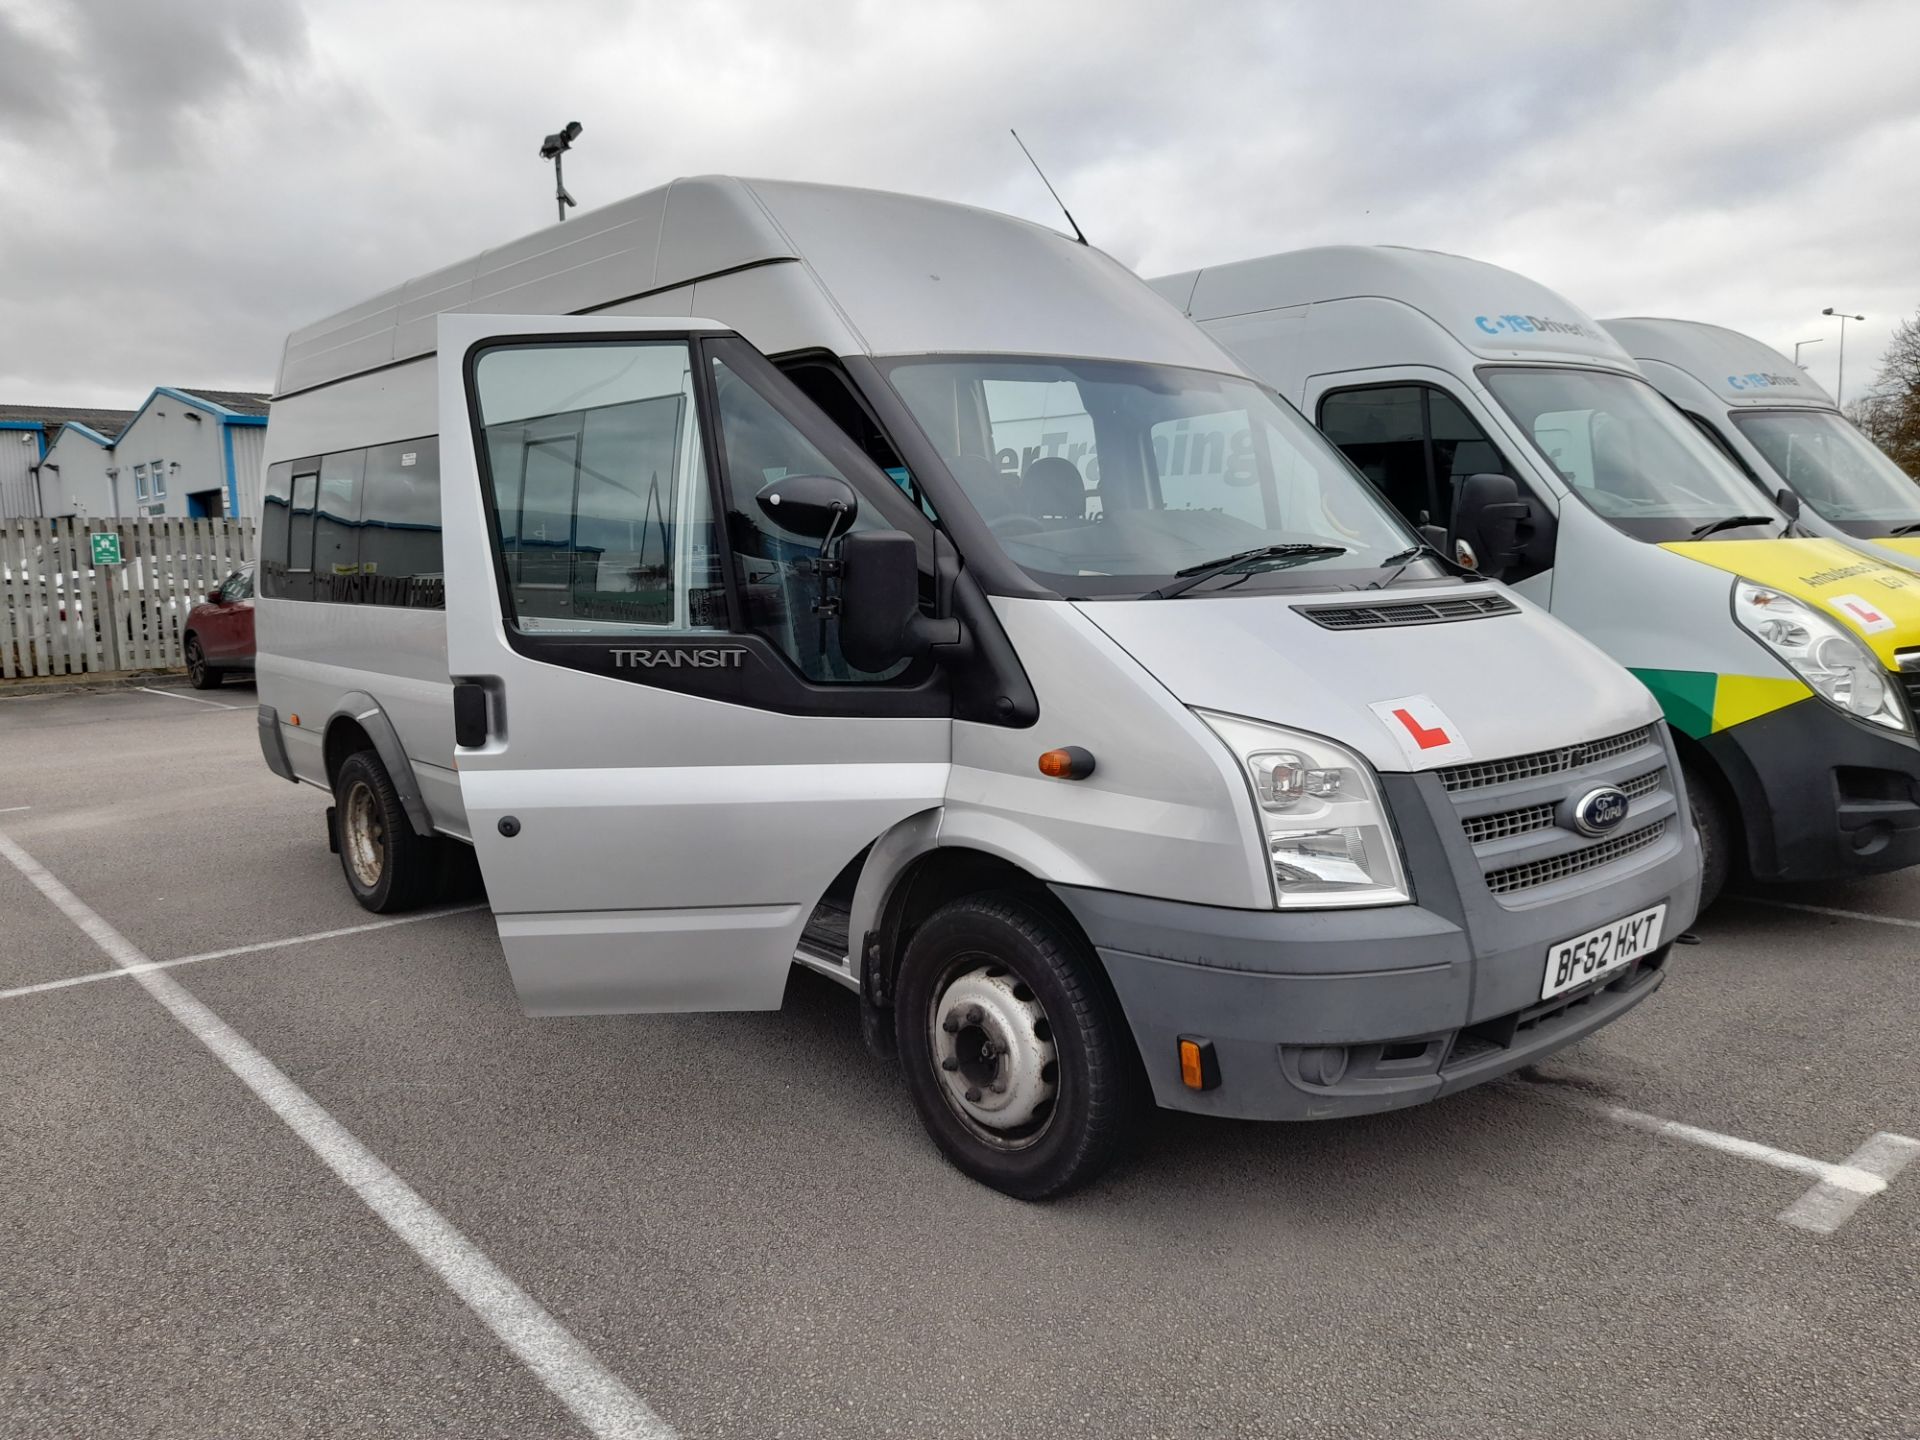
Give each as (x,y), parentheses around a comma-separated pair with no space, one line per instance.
(1383,432)
(1460,448)
(598,489)
(400,560)
(336,527)
(273,529)
(778,575)
(299,574)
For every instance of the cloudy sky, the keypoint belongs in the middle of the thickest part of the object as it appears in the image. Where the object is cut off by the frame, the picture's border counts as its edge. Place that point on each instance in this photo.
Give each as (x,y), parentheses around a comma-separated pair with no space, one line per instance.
(189,179)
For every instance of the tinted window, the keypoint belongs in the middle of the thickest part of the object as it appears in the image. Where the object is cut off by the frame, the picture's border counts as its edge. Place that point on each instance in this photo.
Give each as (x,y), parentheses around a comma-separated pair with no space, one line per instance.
(273,529)
(1384,433)
(336,527)
(598,487)
(298,584)
(400,526)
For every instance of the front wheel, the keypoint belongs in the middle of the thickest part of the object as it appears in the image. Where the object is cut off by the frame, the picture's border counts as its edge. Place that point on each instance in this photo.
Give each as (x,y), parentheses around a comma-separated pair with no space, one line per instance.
(388,867)
(1017,1055)
(1711,819)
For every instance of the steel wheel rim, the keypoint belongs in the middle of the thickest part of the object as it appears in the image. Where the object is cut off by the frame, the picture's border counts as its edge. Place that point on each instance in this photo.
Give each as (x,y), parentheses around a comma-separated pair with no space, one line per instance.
(363,836)
(993,1055)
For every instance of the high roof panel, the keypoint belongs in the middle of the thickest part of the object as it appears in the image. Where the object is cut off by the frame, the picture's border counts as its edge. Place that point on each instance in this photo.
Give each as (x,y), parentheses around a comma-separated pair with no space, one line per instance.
(1737,368)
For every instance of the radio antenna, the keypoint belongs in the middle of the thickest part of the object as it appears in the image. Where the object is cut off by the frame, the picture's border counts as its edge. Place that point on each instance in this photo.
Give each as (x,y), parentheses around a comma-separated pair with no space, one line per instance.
(1048,183)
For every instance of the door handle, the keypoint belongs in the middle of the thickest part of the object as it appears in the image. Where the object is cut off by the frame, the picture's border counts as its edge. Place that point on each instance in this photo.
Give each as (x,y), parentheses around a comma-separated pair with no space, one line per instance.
(469,715)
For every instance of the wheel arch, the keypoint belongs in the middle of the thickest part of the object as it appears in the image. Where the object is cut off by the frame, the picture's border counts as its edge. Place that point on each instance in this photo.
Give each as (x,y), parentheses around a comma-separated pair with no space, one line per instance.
(358,723)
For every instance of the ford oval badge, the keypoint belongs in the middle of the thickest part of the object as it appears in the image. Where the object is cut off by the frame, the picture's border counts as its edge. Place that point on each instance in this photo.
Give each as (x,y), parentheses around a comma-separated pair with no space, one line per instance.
(1599,812)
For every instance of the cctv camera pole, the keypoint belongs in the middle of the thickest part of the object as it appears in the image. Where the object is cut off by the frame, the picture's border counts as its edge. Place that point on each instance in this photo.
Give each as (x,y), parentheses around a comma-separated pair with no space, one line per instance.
(552,148)
(1840,385)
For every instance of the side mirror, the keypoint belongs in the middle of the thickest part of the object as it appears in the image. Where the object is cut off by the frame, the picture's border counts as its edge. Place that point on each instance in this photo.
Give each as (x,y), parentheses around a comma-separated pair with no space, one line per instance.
(880,619)
(214,598)
(815,506)
(1487,511)
(1788,502)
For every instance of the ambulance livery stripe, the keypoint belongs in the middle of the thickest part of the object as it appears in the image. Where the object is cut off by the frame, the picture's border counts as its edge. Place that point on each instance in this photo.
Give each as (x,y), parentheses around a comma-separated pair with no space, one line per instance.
(1700,703)
(1821,572)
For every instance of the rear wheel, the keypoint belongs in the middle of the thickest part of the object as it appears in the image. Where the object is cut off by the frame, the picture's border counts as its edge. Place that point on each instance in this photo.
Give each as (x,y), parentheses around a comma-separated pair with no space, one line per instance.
(200,675)
(387,866)
(1017,1056)
(1712,820)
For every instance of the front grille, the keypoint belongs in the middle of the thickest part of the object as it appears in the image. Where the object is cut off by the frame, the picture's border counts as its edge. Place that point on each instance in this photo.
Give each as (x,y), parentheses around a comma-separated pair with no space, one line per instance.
(1557,867)
(1504,824)
(1906,678)
(1407,612)
(1481,773)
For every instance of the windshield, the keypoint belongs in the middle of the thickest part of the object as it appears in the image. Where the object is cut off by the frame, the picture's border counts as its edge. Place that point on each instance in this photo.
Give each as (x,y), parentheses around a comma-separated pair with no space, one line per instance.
(1831,466)
(1628,454)
(1110,478)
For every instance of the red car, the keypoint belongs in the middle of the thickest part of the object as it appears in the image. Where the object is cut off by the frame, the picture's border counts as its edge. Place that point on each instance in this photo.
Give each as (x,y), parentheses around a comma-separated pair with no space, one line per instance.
(219,636)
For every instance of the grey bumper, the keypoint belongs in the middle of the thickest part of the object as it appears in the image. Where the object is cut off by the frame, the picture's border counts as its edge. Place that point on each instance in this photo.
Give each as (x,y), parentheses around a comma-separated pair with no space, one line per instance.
(273,745)
(1316,1014)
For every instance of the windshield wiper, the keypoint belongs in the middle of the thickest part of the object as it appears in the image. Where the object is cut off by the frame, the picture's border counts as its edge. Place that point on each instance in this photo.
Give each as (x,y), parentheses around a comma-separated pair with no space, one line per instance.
(1906,529)
(1401,559)
(1730,522)
(1193,575)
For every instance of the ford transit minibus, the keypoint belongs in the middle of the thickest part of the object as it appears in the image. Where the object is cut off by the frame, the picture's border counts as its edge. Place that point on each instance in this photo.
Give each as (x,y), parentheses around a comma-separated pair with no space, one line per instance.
(1782,430)
(1479,401)
(760,574)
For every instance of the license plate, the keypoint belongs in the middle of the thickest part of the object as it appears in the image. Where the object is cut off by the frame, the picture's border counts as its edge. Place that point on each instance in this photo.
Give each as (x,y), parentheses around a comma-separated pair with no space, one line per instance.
(1587,957)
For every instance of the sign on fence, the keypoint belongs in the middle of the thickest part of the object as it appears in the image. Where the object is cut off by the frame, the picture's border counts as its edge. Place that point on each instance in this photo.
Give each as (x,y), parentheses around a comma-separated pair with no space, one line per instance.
(76,599)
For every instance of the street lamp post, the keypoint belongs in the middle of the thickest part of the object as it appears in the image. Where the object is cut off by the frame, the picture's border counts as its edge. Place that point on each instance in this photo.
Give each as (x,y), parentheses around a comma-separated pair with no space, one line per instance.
(1798,343)
(1840,385)
(552,148)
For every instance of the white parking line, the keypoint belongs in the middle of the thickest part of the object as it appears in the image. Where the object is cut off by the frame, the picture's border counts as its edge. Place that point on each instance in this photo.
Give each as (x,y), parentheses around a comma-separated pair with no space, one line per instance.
(1829,910)
(598,1398)
(9,809)
(1842,1188)
(174,695)
(120,974)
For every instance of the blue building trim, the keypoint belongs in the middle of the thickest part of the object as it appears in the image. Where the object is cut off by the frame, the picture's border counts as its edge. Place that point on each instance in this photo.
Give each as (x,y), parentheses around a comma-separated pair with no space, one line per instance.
(87,432)
(34,425)
(227,422)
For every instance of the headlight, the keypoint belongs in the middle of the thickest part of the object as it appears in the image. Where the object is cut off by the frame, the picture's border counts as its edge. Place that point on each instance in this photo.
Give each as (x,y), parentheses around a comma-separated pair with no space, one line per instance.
(1820,651)
(1328,836)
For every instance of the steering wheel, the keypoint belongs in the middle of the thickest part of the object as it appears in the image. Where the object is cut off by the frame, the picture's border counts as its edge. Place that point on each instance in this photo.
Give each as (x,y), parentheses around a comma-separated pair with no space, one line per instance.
(1014,525)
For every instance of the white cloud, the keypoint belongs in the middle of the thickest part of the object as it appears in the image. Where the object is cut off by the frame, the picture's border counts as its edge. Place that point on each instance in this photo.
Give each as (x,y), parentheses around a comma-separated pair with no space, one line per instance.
(219,171)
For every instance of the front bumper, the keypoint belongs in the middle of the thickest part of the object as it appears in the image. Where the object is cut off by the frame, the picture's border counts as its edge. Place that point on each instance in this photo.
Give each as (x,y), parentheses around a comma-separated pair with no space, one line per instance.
(1821,796)
(1318,1014)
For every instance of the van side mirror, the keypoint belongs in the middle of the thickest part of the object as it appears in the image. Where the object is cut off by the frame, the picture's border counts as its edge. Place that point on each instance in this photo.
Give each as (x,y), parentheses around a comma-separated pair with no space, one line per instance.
(1788,502)
(880,619)
(1487,511)
(815,506)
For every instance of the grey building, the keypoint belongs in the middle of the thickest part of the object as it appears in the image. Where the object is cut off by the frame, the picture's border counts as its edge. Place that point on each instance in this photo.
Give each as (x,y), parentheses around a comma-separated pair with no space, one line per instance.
(184,452)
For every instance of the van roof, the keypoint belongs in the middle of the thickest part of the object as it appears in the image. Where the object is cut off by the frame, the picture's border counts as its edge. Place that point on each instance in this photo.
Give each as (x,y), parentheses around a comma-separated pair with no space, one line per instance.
(1738,369)
(898,274)
(1495,313)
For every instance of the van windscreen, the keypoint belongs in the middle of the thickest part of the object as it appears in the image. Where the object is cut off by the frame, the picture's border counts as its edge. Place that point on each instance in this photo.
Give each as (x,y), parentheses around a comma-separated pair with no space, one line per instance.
(1626,452)
(1844,476)
(1111,477)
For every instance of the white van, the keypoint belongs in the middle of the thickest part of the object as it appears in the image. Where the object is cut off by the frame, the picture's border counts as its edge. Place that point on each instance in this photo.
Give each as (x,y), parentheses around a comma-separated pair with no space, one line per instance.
(996,649)
(1783,431)
(1479,401)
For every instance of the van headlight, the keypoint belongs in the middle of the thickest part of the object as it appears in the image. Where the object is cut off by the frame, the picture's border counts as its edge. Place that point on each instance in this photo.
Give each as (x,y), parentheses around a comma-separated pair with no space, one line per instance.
(1327,832)
(1822,652)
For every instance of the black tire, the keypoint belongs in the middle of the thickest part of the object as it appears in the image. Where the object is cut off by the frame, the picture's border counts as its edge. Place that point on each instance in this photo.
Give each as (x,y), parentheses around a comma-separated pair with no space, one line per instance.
(200,674)
(1711,819)
(1095,1090)
(388,867)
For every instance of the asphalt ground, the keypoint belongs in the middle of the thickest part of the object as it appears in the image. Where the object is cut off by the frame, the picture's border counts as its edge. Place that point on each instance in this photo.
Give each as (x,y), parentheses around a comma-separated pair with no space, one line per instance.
(738,1223)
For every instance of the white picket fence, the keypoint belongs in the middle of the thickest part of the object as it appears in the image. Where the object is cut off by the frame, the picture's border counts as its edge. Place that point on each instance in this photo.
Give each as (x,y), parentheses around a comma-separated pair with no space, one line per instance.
(60,614)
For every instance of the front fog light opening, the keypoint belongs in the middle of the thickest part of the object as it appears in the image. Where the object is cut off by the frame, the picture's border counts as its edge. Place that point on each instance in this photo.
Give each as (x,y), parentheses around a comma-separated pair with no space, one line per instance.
(1328,837)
